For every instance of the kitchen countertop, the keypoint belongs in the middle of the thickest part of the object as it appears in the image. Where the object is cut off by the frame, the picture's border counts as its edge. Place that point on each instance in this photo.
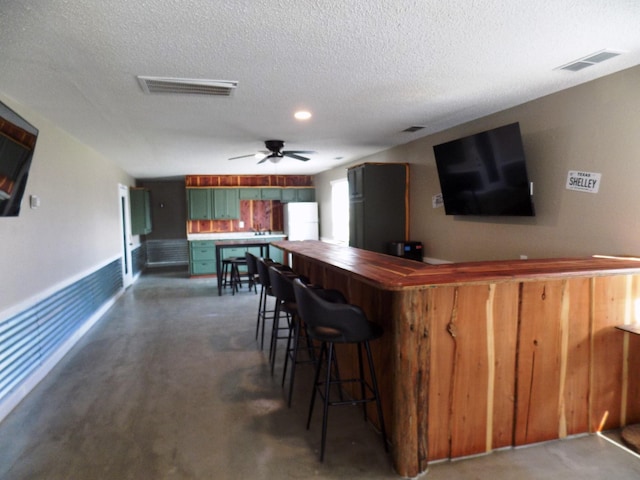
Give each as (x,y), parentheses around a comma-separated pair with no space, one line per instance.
(234,236)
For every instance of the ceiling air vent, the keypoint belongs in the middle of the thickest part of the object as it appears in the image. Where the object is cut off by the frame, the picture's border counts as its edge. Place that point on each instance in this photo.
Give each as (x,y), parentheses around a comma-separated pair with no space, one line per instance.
(589,60)
(187,86)
(415,128)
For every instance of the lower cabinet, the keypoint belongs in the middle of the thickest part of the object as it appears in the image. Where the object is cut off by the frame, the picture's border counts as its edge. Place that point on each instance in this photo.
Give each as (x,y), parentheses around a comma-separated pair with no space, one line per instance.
(202,255)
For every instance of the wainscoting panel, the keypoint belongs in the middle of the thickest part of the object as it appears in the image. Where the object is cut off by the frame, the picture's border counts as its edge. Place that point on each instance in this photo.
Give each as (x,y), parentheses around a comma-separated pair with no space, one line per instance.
(167,252)
(30,337)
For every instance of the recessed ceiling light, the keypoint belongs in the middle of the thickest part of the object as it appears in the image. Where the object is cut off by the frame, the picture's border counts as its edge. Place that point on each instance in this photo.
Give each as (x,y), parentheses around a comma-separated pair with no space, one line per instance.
(302,115)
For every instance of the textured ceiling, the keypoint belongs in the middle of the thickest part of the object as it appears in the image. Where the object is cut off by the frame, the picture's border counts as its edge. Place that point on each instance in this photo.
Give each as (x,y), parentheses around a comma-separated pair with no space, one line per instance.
(365,69)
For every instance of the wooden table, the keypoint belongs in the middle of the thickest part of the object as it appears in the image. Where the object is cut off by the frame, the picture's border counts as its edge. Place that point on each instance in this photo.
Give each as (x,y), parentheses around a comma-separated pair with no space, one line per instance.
(484,355)
(221,245)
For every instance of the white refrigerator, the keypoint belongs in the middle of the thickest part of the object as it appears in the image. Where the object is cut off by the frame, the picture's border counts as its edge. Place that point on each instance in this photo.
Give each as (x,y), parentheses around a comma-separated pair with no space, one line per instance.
(301,221)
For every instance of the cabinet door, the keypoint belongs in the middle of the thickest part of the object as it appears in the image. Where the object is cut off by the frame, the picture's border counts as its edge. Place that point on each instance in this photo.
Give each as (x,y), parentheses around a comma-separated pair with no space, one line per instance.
(306,194)
(226,203)
(377,213)
(298,195)
(203,267)
(199,203)
(233,252)
(271,194)
(356,224)
(249,194)
(140,200)
(355,176)
(276,254)
(202,257)
(289,195)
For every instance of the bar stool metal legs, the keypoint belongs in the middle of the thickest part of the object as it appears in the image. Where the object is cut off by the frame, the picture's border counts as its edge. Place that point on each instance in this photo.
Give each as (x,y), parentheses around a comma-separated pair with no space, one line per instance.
(296,333)
(323,388)
(329,323)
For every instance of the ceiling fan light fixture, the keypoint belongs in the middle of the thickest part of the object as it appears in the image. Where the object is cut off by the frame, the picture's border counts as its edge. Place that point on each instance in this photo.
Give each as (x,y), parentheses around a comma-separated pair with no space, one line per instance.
(302,115)
(260,155)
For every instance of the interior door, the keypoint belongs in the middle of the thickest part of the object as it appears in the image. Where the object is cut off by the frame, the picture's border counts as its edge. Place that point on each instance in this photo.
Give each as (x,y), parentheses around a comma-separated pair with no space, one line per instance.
(126,242)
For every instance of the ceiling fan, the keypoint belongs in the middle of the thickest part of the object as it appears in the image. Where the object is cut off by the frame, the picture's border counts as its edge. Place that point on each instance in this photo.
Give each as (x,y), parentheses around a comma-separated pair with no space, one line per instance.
(275,153)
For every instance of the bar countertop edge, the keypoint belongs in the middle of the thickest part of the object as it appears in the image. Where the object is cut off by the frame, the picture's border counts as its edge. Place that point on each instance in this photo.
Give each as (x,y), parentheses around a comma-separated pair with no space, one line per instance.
(396,273)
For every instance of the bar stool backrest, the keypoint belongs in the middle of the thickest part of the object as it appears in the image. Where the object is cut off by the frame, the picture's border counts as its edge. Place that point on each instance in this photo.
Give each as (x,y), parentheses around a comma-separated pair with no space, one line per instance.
(282,284)
(263,271)
(332,321)
(252,264)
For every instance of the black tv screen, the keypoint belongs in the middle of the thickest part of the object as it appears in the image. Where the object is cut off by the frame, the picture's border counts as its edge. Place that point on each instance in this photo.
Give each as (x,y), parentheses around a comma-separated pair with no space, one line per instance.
(485,174)
(17,143)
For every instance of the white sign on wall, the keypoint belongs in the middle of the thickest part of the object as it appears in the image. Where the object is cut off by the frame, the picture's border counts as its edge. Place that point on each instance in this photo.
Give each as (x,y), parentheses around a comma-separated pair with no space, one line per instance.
(583,181)
(436,200)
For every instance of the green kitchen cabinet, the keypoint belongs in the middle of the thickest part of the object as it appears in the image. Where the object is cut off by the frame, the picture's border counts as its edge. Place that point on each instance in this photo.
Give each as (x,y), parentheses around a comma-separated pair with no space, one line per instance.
(140,203)
(213,203)
(378,205)
(226,203)
(200,203)
(250,193)
(202,257)
(271,193)
(298,195)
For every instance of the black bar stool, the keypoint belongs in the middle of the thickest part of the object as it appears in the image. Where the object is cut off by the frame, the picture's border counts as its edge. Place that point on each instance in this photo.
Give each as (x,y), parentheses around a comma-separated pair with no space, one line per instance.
(265,292)
(252,271)
(330,323)
(282,285)
(285,303)
(231,274)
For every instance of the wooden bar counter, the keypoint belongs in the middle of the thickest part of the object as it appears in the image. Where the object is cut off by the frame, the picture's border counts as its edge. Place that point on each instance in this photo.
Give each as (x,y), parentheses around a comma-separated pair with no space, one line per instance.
(485,355)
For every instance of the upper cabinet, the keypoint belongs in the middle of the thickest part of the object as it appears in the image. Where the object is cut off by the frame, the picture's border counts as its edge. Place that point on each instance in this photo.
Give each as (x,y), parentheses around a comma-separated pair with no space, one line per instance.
(298,195)
(226,204)
(355,176)
(140,202)
(271,194)
(250,193)
(199,203)
(223,203)
(213,203)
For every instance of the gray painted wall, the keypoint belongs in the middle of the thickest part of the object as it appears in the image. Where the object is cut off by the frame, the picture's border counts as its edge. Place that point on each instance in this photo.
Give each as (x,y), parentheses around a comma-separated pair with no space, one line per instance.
(593,127)
(75,230)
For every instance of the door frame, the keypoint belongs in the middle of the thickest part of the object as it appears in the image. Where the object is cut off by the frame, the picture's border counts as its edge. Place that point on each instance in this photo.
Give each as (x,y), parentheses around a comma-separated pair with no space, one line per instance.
(125,234)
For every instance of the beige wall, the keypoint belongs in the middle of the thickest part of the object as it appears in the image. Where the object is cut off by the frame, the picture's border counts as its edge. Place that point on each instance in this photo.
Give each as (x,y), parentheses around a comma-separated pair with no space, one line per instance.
(594,127)
(75,230)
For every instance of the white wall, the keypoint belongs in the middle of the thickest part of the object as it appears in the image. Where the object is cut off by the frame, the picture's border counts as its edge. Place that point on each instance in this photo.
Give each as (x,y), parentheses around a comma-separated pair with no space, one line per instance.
(75,230)
(593,127)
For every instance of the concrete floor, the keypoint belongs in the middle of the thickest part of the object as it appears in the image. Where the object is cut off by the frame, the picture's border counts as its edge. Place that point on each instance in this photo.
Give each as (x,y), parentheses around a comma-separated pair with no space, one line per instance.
(170,385)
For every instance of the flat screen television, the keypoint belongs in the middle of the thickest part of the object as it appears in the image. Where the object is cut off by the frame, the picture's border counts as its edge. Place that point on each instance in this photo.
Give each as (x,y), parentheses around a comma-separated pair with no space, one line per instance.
(17,143)
(485,174)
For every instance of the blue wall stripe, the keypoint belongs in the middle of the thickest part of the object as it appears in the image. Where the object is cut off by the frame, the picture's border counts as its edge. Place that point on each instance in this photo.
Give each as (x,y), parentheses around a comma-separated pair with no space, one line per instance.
(139,259)
(29,338)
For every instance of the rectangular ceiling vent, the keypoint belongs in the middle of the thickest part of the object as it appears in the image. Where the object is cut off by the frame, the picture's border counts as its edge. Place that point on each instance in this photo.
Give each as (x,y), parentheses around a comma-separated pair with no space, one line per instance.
(589,60)
(414,128)
(187,86)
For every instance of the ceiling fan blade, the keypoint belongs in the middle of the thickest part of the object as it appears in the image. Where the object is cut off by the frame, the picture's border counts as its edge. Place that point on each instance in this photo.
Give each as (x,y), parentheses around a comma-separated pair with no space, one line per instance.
(264,159)
(298,151)
(295,155)
(257,155)
(242,156)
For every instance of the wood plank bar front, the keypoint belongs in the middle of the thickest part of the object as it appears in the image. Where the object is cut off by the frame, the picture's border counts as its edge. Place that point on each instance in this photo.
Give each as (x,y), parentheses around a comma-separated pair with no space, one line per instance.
(484,355)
